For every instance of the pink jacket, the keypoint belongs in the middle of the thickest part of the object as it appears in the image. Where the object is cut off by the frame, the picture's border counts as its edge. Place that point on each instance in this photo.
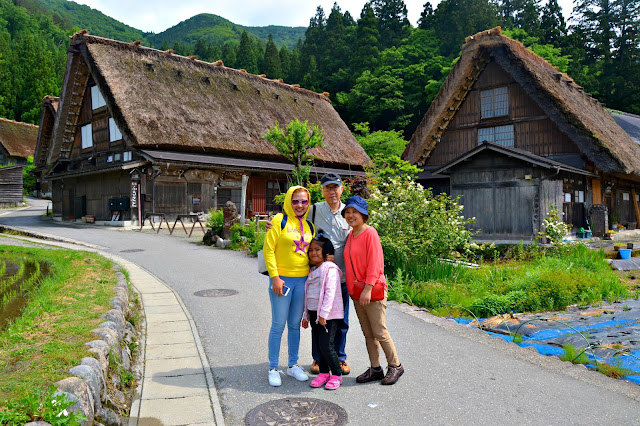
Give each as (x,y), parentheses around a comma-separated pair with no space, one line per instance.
(330,305)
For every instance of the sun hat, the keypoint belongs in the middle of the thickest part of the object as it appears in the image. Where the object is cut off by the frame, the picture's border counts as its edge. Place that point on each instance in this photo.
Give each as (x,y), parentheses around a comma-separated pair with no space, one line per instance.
(331,179)
(358,203)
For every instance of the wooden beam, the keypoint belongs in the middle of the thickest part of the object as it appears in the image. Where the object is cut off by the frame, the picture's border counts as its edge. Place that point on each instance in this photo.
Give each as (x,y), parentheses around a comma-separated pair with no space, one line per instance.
(635,205)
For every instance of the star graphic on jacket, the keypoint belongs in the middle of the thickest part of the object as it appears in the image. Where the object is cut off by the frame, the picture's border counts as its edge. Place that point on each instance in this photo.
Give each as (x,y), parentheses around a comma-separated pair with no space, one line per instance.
(301,244)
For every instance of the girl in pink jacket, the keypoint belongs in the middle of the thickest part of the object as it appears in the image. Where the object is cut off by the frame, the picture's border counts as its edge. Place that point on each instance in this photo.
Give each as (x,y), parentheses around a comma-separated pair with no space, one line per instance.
(322,308)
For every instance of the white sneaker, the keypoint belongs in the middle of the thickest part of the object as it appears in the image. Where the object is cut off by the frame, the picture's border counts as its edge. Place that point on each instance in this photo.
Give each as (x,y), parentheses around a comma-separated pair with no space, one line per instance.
(297,372)
(274,377)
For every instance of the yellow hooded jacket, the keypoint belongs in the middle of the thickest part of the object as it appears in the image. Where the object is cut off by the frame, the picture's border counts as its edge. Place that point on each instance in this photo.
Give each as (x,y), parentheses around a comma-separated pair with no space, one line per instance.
(285,254)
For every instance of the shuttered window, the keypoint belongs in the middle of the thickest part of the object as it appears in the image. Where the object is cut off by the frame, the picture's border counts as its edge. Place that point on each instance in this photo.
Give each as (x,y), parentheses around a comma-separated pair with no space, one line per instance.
(502,135)
(494,102)
(87,136)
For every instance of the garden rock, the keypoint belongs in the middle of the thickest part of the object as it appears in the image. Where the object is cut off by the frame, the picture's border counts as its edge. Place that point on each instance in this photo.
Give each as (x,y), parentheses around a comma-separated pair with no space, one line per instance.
(108,417)
(87,373)
(81,394)
(223,243)
(113,326)
(209,238)
(108,335)
(38,423)
(230,212)
(97,369)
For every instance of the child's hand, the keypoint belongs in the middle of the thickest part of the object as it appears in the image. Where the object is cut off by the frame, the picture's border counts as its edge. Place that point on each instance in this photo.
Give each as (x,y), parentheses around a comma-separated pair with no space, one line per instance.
(305,323)
(267,225)
(331,258)
(322,321)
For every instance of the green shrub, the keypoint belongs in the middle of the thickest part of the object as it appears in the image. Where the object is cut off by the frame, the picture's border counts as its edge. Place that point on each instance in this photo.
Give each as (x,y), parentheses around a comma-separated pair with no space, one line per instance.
(216,221)
(248,237)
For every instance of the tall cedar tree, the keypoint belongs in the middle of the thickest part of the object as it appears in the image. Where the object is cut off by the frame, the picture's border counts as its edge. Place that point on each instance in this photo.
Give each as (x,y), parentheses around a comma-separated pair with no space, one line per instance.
(392,21)
(246,57)
(528,17)
(552,25)
(426,17)
(272,63)
(336,58)
(367,41)
(314,46)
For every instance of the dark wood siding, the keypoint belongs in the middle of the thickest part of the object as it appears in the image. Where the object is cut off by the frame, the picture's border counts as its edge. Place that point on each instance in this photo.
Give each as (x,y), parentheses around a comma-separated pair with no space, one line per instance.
(258,195)
(533,130)
(10,185)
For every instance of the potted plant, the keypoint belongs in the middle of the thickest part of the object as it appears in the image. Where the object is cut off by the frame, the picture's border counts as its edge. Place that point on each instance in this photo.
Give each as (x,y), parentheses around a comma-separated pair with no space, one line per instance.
(619,246)
(620,227)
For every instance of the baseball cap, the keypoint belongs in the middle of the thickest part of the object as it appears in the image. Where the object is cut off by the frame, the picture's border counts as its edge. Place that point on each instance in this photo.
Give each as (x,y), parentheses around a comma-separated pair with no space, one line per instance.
(331,179)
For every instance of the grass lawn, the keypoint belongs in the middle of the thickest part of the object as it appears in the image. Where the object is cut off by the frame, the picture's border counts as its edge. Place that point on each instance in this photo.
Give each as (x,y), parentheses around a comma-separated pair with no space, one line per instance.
(538,280)
(38,348)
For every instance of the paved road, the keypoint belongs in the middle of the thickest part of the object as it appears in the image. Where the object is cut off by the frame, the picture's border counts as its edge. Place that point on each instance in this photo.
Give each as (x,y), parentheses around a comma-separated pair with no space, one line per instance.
(454,374)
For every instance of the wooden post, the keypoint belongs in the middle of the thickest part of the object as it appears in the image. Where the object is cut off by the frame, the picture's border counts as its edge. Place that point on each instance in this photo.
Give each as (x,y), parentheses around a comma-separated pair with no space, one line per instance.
(243,199)
(635,205)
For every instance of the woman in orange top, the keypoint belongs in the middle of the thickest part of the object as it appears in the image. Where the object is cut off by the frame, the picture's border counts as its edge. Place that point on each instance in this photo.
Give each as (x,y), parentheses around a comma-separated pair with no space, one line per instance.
(364,268)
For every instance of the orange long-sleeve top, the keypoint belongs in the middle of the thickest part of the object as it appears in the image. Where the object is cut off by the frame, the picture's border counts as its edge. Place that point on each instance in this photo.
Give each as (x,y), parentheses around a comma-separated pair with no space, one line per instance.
(363,255)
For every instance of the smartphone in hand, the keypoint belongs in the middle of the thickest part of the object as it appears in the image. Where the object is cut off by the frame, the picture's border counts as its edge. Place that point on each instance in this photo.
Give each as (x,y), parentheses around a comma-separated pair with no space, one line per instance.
(285,290)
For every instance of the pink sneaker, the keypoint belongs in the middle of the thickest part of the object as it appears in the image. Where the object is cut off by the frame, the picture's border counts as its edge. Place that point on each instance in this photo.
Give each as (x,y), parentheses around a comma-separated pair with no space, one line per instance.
(334,383)
(320,380)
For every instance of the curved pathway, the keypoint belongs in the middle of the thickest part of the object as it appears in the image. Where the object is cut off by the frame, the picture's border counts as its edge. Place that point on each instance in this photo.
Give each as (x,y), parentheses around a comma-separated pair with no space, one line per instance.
(454,374)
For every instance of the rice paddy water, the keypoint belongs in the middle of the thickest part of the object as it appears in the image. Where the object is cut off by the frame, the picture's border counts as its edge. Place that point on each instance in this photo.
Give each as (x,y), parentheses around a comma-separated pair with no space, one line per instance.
(17,279)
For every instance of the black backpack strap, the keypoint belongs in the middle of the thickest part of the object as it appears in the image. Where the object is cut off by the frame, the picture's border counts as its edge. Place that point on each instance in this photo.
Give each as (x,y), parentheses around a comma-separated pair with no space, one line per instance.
(313,214)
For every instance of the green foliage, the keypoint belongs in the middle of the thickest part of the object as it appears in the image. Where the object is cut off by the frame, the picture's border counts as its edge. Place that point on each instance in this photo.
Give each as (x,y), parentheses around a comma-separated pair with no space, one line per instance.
(574,356)
(381,143)
(216,221)
(293,143)
(248,237)
(415,224)
(50,408)
(28,179)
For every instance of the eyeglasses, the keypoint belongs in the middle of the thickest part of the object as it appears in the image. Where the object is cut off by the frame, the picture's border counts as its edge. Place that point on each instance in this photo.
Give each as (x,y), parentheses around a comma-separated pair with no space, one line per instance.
(302,202)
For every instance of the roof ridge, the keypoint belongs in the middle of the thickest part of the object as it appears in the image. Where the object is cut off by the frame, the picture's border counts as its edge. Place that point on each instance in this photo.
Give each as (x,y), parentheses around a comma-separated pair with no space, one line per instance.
(9,120)
(83,36)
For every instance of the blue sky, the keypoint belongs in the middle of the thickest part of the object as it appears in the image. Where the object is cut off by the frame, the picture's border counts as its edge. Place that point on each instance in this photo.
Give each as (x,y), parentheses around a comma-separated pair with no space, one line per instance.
(159,15)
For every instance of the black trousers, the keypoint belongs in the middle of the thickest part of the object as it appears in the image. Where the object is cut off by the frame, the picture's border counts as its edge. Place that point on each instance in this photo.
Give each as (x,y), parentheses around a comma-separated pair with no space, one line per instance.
(323,338)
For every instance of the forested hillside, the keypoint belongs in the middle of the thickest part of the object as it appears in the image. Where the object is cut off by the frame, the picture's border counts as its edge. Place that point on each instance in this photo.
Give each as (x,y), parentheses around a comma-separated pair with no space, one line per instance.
(377,67)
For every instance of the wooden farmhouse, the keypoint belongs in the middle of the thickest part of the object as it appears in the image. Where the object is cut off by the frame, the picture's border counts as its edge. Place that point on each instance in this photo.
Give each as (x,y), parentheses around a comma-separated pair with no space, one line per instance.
(141,130)
(513,136)
(40,158)
(17,141)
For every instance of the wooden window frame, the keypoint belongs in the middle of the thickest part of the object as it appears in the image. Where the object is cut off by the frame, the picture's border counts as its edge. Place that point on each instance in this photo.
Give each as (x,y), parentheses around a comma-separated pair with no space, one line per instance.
(114,131)
(97,100)
(494,102)
(495,132)
(86,132)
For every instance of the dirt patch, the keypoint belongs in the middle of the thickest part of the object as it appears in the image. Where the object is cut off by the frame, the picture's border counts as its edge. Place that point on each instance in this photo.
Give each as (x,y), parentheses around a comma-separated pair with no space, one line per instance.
(595,313)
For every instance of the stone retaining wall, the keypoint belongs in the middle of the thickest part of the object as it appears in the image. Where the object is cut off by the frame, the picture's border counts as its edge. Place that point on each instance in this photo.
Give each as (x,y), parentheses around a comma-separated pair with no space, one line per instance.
(96,385)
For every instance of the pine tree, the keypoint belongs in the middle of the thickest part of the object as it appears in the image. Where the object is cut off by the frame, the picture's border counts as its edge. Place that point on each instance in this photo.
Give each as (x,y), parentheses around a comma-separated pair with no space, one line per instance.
(229,55)
(272,65)
(528,16)
(313,46)
(285,63)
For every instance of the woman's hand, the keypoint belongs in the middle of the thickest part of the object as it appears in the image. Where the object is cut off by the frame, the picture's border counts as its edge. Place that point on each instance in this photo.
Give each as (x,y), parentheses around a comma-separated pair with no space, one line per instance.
(365,296)
(305,323)
(331,258)
(276,285)
(322,321)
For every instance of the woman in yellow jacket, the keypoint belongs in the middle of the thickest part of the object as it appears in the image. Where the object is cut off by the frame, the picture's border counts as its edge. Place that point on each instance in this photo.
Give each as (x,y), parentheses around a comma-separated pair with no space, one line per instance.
(285,254)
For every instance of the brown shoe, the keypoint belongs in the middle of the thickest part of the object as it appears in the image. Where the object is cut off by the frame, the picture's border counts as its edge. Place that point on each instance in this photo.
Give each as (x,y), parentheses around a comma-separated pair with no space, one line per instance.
(370,375)
(315,368)
(393,374)
(345,368)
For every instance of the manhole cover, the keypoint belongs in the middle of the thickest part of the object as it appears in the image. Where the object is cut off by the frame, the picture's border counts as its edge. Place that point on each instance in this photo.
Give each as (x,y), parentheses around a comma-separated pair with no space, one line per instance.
(297,411)
(131,251)
(215,292)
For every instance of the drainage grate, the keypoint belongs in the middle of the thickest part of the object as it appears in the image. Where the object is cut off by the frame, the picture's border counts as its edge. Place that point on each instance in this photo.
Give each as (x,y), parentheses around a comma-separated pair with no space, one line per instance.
(297,411)
(131,250)
(215,292)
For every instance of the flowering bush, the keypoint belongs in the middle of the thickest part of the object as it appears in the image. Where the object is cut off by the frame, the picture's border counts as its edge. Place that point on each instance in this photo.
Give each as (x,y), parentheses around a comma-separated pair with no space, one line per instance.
(415,224)
(554,228)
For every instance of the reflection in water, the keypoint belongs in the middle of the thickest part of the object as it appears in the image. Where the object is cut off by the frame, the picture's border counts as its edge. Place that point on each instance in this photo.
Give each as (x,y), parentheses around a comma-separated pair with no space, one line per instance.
(16,281)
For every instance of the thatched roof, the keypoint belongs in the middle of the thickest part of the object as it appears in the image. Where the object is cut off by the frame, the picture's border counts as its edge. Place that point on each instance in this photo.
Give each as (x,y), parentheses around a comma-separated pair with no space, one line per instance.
(582,118)
(45,132)
(630,123)
(169,102)
(19,139)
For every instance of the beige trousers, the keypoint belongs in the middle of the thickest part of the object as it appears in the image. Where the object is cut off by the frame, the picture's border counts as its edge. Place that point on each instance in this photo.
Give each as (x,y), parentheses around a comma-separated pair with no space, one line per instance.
(373,321)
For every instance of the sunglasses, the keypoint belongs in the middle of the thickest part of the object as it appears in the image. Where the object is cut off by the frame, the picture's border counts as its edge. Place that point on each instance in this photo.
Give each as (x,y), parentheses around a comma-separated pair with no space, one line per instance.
(301,202)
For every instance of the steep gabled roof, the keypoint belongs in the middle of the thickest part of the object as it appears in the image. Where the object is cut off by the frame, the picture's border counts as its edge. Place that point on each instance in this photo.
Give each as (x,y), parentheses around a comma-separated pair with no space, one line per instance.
(19,139)
(45,132)
(630,123)
(169,102)
(582,118)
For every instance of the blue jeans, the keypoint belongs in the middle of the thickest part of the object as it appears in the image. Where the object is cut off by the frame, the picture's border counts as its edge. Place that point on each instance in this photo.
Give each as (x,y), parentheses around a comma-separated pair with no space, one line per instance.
(340,339)
(286,310)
